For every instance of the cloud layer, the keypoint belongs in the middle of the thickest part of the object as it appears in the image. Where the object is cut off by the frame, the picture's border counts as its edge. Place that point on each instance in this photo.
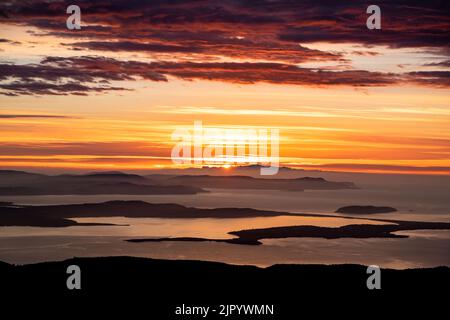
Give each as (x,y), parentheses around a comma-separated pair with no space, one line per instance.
(239,41)
(81,75)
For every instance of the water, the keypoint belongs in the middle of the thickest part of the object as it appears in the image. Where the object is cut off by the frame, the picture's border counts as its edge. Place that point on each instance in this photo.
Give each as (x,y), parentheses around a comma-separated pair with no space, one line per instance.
(388,253)
(412,204)
(421,249)
(159,228)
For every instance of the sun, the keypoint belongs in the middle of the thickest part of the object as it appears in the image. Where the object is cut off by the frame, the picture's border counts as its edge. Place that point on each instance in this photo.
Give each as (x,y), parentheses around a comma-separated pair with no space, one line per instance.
(226,166)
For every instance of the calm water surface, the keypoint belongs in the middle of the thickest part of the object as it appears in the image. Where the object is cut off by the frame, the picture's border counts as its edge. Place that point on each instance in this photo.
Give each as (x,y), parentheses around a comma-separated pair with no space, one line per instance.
(422,248)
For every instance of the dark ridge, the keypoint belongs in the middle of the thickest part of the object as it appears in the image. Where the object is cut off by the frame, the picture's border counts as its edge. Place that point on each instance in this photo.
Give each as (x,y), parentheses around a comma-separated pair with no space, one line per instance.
(22,183)
(207,176)
(123,188)
(57,215)
(365,209)
(112,175)
(246,182)
(109,172)
(311,179)
(136,286)
(17,172)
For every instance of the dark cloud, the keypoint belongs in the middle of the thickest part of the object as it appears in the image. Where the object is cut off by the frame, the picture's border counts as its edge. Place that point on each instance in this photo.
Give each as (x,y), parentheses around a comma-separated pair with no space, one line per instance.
(365,53)
(21,87)
(249,73)
(247,29)
(18,116)
(9,41)
(212,48)
(47,79)
(182,28)
(431,78)
(445,64)
(268,37)
(405,23)
(135,46)
(82,75)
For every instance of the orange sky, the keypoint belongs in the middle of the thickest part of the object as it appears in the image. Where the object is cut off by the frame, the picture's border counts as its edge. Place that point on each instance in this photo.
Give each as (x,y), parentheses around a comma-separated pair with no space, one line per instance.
(403,124)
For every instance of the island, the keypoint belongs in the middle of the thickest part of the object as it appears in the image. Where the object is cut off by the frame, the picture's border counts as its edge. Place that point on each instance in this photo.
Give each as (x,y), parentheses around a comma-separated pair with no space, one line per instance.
(59,215)
(254,236)
(365,210)
(63,216)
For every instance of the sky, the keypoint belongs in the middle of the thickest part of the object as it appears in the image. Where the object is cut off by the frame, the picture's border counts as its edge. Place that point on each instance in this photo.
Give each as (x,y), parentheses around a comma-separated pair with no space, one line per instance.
(110,95)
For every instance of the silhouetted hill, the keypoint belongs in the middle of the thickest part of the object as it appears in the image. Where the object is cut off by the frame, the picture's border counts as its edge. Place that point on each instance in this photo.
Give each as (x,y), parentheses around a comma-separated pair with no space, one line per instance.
(14,177)
(365,209)
(246,182)
(128,287)
(23,183)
